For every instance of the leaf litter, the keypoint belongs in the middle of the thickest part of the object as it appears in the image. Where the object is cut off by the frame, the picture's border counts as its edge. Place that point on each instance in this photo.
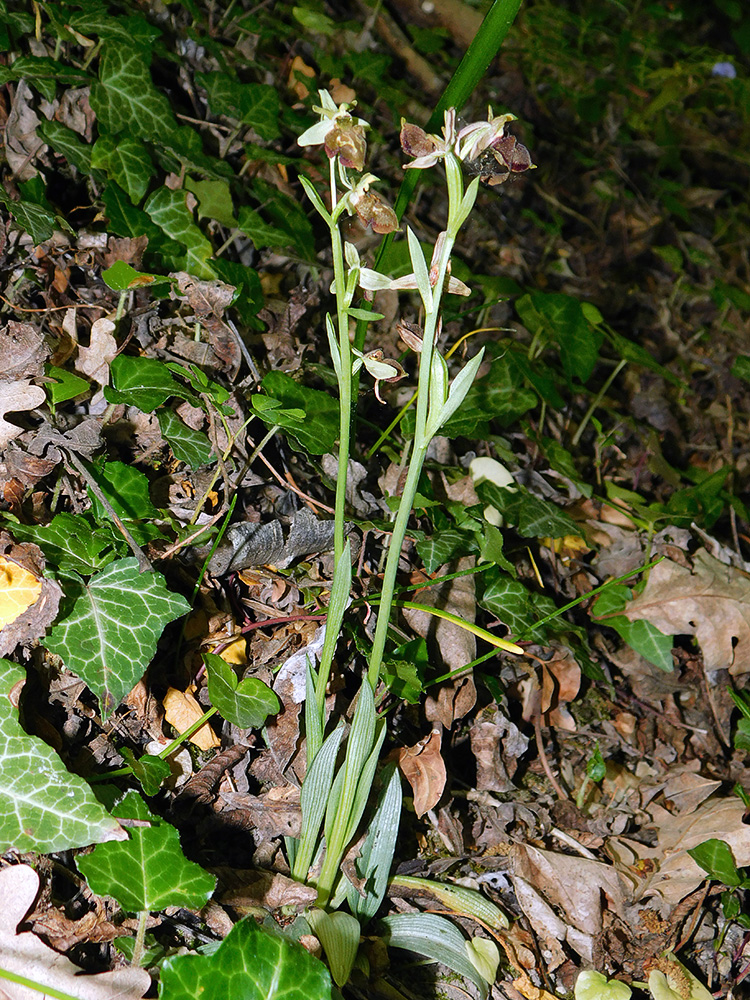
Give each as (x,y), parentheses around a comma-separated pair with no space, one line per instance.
(593,866)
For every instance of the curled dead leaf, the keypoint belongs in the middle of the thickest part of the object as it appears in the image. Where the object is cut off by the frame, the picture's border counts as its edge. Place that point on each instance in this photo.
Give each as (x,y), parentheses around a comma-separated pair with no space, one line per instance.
(424,769)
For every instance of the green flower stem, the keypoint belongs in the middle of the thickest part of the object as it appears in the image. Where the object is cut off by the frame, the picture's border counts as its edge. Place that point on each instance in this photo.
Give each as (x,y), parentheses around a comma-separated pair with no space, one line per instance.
(40,988)
(345,380)
(419,453)
(140,938)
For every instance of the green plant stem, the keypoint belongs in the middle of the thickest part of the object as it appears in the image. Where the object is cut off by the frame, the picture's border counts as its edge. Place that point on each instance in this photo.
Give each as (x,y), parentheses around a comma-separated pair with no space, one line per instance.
(599,397)
(394,423)
(140,938)
(121,772)
(345,379)
(597,590)
(421,444)
(42,988)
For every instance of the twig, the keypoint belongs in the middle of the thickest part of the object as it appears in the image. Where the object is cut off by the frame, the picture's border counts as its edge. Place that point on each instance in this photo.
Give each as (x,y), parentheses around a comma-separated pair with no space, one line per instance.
(144,564)
(561,794)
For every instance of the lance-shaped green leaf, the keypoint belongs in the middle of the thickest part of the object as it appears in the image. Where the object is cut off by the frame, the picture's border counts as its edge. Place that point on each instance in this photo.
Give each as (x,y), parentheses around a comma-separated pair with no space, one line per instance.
(246,703)
(438,393)
(339,934)
(420,270)
(376,855)
(148,871)
(43,807)
(348,794)
(315,198)
(334,347)
(110,634)
(467,203)
(340,597)
(459,388)
(316,789)
(250,964)
(436,938)
(364,785)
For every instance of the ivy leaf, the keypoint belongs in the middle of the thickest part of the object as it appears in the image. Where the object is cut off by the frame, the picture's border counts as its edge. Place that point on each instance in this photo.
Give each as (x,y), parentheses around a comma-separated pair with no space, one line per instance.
(642,636)
(188,445)
(109,636)
(149,870)
(66,385)
(150,770)
(442,547)
(125,98)
(43,807)
(67,143)
(259,231)
(246,703)
(145,383)
(126,489)
(121,277)
(168,209)
(251,964)
(498,395)
(309,416)
(516,606)
(71,542)
(561,319)
(127,161)
(531,516)
(214,201)
(256,104)
(36,220)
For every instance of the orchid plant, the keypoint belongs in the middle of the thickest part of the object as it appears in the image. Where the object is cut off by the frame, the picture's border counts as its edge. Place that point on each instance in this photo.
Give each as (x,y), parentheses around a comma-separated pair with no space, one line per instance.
(334,799)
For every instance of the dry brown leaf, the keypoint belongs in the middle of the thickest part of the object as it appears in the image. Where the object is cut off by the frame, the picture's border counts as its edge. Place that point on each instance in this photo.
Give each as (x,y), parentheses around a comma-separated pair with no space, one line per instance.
(675,874)
(577,887)
(497,745)
(23,352)
(712,603)
(28,601)
(95,359)
(18,396)
(181,710)
(26,955)
(22,143)
(245,889)
(424,769)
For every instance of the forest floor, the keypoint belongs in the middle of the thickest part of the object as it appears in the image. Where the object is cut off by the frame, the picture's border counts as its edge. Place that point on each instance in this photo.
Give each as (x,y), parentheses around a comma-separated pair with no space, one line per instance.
(611,291)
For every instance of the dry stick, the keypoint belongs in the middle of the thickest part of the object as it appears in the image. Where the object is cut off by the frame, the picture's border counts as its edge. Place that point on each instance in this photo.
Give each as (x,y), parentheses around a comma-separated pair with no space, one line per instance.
(144,563)
(561,794)
(287,485)
(174,549)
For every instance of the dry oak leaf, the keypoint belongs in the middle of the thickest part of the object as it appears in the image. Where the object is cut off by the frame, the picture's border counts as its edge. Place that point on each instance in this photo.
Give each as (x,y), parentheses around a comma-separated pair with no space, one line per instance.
(181,710)
(21,395)
(28,601)
(26,955)
(674,874)
(95,359)
(23,351)
(712,603)
(424,769)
